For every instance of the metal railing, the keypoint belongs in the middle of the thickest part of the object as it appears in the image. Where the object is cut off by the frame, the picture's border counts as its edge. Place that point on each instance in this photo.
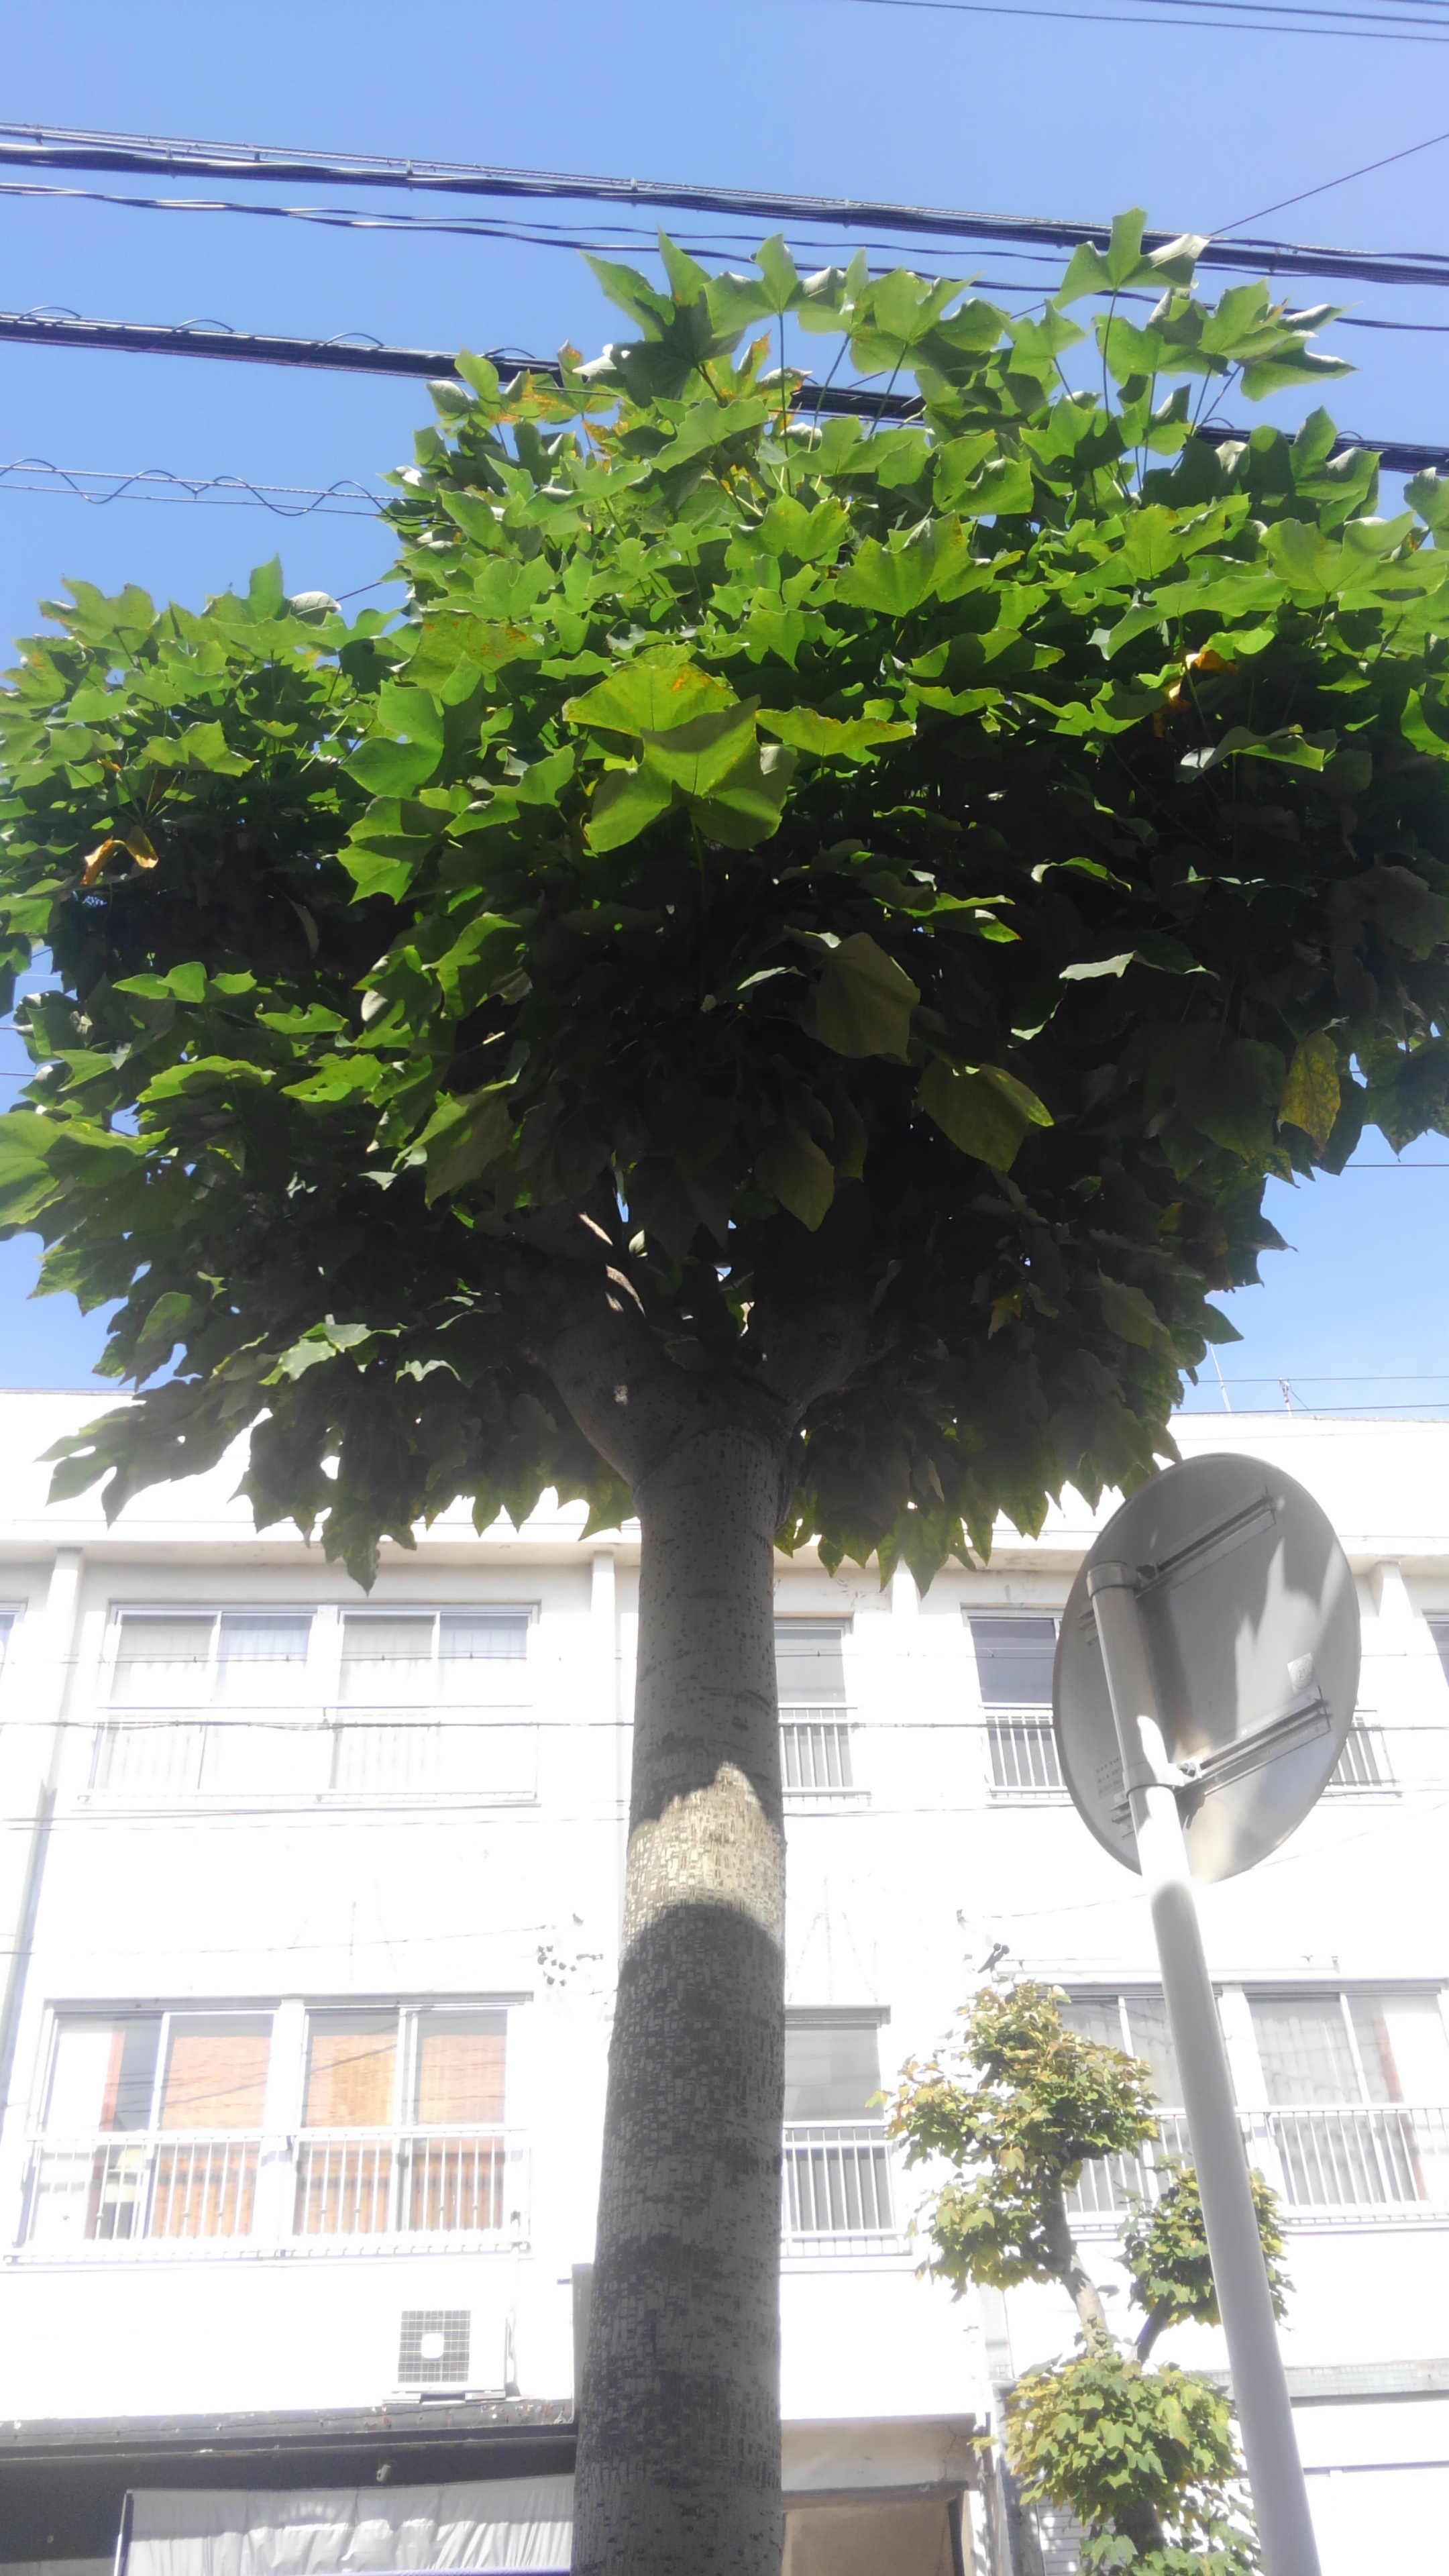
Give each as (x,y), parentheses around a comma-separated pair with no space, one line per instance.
(815,1752)
(1107,2188)
(1023,1755)
(323,2184)
(1363,1767)
(1361,2156)
(407,2182)
(1351,2158)
(125,2189)
(157,1755)
(838,2193)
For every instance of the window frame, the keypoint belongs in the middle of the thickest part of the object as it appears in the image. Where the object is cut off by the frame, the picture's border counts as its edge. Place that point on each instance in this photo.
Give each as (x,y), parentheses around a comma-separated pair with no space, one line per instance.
(1032,1717)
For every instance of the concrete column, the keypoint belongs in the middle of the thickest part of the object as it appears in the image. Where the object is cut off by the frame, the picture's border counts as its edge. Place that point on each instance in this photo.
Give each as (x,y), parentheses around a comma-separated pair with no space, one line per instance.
(31,1745)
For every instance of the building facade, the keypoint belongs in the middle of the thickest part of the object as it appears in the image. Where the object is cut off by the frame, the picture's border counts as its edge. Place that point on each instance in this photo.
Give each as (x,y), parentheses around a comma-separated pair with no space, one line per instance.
(309,1905)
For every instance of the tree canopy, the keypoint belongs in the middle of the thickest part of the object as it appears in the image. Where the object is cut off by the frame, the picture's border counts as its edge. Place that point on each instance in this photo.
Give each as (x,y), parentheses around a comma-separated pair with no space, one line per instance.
(790,879)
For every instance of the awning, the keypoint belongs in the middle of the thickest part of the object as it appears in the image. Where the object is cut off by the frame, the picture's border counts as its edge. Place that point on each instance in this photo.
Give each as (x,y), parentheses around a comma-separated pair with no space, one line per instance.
(483,2527)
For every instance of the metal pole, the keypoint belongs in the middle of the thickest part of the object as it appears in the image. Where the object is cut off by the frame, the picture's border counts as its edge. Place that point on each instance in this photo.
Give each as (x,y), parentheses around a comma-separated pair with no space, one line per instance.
(1275,2472)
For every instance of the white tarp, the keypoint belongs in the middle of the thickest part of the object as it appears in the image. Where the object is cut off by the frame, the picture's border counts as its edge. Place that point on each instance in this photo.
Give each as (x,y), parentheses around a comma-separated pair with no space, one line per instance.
(493,2524)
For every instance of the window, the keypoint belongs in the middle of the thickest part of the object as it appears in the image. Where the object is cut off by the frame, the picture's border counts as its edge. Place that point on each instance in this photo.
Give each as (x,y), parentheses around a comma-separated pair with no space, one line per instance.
(1136,2023)
(815,1746)
(402,1675)
(403,2122)
(221,1666)
(836,2160)
(151,2127)
(1363,1767)
(1014,1656)
(1359,2084)
(9,1620)
(177,2124)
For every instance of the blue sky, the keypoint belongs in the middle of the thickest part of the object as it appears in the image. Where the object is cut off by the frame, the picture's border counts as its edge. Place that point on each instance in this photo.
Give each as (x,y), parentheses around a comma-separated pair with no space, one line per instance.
(833,96)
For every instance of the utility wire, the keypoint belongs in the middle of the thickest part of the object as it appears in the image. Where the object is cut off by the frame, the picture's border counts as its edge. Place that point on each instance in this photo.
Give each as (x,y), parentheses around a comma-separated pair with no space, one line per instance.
(1325,186)
(75,148)
(1246,18)
(344,500)
(359,356)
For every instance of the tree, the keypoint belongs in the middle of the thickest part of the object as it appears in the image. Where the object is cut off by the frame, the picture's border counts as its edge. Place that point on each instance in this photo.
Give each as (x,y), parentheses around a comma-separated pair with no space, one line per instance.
(1145,2459)
(766,996)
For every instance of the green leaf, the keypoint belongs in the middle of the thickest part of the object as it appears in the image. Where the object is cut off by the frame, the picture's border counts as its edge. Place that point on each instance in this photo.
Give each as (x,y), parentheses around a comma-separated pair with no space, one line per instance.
(983,1109)
(653,694)
(26,1179)
(197,746)
(183,984)
(795,1171)
(464,1136)
(746,806)
(891,580)
(864,1000)
(826,737)
(1311,1095)
(699,756)
(1127,1312)
(1289,745)
(266,596)
(625,802)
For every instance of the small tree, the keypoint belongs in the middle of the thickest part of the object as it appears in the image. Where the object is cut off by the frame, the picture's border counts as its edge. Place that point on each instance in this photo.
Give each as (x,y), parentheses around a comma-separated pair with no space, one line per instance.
(1144,2459)
(766,998)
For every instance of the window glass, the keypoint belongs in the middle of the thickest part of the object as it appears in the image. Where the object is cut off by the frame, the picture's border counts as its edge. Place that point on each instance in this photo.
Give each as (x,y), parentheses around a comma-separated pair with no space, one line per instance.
(831,2069)
(7,1623)
(1402,2046)
(387,1660)
(1097,2017)
(258,1653)
(1150,2038)
(216,2071)
(1014,1659)
(1304,2046)
(162,1662)
(460,2068)
(474,1636)
(351,2058)
(103,2074)
(1439,1631)
(809,1662)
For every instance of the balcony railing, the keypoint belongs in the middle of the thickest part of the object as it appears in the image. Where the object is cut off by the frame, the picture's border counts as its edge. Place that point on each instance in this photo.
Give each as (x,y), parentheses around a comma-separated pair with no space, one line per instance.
(838,2189)
(342,1753)
(326,2184)
(120,2190)
(1023,1755)
(1363,1768)
(816,1758)
(1376,2156)
(1385,2159)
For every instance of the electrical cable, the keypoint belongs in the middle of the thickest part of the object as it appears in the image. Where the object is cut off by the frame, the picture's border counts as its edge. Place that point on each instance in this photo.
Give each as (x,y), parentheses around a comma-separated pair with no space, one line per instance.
(158,483)
(1325,186)
(1247,18)
(75,148)
(351,355)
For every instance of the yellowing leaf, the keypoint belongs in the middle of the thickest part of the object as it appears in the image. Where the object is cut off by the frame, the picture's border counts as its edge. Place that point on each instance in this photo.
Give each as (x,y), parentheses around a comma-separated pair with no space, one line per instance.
(136,844)
(794,1171)
(1311,1094)
(652,695)
(864,1001)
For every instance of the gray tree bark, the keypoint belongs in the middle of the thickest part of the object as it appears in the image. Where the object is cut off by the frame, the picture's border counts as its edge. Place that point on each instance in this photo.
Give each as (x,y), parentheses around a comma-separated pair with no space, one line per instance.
(678,2469)
(679,2444)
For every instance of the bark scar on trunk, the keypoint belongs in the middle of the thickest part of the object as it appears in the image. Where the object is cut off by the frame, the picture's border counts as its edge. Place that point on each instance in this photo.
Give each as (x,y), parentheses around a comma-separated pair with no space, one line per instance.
(716,1846)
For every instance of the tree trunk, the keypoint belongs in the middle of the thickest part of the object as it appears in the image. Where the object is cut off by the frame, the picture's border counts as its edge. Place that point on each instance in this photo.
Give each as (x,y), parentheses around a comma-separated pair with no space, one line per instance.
(1075,2279)
(679,2439)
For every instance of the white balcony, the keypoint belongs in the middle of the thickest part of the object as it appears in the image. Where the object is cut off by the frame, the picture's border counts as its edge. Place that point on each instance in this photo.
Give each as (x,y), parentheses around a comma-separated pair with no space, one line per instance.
(1360,2161)
(326,2189)
(817,1759)
(151,1756)
(839,2189)
(1023,1752)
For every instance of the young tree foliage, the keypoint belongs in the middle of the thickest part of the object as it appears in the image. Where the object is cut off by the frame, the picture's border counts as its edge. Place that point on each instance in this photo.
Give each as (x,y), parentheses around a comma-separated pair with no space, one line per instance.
(766,996)
(1145,2459)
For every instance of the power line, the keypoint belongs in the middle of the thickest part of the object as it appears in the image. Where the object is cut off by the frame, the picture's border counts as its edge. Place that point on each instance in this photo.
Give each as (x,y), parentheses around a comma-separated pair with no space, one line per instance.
(76,148)
(1325,186)
(36,474)
(356,355)
(1241,16)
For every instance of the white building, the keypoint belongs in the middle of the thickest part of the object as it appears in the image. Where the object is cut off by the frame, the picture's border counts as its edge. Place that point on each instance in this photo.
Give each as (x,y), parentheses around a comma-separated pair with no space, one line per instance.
(309,1905)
